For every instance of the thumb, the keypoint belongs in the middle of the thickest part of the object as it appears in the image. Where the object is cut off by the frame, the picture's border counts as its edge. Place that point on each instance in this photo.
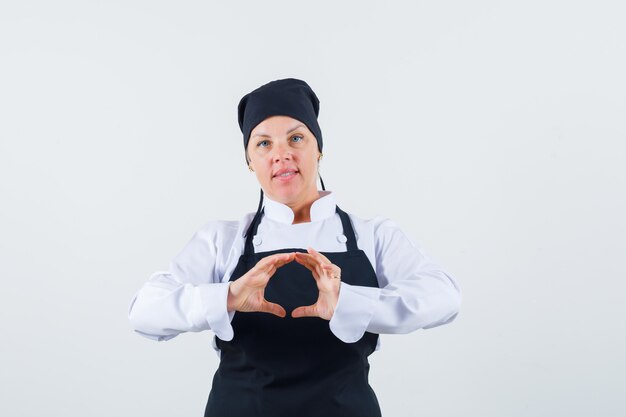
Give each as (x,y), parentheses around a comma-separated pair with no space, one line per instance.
(305,311)
(273,308)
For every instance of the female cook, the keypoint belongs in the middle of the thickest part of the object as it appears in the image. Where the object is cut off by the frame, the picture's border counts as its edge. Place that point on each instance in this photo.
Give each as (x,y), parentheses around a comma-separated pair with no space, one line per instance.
(298,292)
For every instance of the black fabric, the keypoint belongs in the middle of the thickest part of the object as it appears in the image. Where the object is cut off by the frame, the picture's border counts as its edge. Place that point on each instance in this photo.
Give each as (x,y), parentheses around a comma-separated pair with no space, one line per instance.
(289,97)
(285,367)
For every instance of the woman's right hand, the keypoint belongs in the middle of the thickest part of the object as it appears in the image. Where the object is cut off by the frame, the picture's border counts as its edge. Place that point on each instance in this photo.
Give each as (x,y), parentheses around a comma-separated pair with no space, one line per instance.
(247,293)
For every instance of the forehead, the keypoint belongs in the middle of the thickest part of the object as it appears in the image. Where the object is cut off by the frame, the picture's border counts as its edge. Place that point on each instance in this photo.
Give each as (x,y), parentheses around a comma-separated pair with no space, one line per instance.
(277,125)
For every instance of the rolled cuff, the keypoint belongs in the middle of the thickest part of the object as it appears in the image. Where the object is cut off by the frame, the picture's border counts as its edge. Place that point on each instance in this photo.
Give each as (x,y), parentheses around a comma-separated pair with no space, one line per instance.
(155,337)
(211,308)
(354,311)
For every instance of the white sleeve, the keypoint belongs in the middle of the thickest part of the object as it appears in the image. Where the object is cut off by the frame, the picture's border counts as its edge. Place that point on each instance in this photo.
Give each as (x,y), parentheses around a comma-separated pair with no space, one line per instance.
(414,293)
(189,297)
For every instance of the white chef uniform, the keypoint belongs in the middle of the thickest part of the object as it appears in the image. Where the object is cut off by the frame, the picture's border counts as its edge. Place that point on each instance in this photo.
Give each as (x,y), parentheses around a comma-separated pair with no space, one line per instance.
(415,292)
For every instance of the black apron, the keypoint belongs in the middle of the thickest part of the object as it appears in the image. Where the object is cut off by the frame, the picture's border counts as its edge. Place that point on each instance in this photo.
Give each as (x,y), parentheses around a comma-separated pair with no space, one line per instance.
(286,367)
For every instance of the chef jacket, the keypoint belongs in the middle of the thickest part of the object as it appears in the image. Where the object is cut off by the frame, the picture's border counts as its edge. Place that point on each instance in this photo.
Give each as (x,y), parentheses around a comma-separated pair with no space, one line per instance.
(414,291)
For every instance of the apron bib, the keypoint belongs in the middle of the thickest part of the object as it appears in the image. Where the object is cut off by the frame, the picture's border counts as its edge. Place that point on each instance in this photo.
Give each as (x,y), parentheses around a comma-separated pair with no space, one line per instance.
(283,367)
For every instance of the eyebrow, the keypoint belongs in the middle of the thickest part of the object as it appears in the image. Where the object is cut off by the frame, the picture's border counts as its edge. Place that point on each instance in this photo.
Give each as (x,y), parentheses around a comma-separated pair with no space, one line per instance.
(286,133)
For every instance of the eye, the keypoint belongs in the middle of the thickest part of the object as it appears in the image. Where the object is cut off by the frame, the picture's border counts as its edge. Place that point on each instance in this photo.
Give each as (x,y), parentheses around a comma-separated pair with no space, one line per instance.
(261,142)
(297,136)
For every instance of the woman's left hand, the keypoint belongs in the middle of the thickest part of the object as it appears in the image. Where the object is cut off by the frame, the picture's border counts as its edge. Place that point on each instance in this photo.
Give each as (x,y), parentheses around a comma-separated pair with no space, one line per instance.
(325,274)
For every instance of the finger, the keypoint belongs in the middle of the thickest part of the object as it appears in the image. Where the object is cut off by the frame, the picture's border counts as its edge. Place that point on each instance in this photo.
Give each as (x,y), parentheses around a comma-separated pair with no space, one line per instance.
(327,266)
(272,308)
(306,261)
(271,271)
(311,259)
(305,311)
(329,270)
(319,258)
(281,259)
(332,269)
(318,255)
(263,274)
(319,261)
(311,265)
(264,264)
(304,255)
(267,269)
(274,261)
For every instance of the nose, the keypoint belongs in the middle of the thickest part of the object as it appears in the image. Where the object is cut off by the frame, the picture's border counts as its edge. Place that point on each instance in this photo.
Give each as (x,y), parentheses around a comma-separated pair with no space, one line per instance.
(281,152)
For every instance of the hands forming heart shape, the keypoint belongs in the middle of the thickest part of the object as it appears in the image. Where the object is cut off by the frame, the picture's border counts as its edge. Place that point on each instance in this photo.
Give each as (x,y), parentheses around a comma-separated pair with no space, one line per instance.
(247,293)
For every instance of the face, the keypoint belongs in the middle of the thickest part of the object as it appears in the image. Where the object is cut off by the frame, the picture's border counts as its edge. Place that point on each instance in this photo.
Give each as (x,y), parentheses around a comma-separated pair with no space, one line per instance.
(282,144)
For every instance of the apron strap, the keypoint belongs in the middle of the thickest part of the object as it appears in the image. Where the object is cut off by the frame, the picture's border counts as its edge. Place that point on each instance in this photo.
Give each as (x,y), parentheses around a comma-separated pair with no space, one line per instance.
(254,225)
(348,231)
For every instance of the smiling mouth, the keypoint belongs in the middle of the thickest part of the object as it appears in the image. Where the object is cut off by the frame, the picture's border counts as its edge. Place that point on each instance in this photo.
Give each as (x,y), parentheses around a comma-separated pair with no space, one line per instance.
(286,174)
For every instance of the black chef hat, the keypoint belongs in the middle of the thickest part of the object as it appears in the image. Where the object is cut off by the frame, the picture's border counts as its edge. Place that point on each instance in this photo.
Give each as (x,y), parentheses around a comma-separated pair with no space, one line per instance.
(289,97)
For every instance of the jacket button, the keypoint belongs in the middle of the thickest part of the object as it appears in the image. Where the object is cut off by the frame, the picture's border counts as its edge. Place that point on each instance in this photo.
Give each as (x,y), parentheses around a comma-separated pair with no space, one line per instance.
(342,238)
(257,240)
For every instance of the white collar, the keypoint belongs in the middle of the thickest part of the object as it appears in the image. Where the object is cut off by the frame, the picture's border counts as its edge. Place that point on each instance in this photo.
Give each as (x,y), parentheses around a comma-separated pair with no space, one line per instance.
(321,208)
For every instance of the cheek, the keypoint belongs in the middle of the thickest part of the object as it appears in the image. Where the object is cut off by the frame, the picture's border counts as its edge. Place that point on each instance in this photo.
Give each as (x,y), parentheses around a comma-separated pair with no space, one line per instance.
(307,159)
(310,168)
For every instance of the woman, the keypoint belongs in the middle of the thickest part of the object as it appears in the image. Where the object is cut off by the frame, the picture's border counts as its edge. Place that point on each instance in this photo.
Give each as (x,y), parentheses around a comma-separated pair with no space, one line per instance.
(298,292)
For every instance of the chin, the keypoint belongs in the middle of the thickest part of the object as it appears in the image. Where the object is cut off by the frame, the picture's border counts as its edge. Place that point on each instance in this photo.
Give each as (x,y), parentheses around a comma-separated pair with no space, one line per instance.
(285,195)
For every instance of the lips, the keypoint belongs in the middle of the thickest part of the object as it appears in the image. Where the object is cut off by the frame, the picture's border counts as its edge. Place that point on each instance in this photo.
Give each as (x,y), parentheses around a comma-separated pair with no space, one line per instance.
(284,170)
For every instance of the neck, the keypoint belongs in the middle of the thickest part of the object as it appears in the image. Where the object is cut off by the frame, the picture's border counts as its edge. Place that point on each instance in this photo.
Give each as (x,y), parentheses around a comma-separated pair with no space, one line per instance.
(302,210)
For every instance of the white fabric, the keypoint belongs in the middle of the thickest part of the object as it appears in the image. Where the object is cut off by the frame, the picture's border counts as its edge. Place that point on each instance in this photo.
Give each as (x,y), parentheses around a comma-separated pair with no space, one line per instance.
(415,292)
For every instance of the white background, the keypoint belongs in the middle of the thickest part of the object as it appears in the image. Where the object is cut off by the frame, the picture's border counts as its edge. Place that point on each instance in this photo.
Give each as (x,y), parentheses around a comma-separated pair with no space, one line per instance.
(492,132)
